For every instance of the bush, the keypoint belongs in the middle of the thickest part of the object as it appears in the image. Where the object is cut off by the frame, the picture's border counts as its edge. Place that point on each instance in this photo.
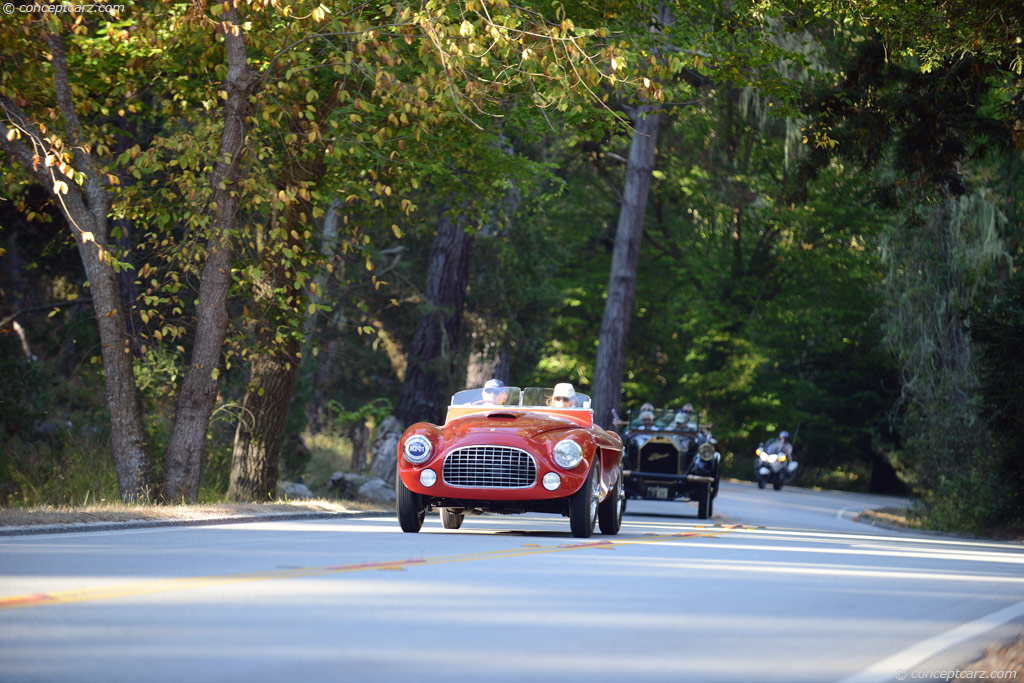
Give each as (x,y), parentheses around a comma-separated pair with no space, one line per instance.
(997,331)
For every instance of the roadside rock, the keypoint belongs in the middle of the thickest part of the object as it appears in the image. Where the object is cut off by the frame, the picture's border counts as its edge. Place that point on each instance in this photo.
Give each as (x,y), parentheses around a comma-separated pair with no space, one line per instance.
(377,491)
(294,491)
(345,485)
(384,454)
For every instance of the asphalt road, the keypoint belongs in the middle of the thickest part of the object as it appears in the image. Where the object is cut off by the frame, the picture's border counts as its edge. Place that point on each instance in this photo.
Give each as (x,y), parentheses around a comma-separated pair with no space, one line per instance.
(779,586)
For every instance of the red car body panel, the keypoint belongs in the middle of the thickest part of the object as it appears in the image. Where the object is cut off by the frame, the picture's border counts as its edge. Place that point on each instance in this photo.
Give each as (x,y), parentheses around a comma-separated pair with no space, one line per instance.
(532,429)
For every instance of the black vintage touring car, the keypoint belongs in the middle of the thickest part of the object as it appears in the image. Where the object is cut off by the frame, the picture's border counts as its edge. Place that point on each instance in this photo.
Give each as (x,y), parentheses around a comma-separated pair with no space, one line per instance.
(669,457)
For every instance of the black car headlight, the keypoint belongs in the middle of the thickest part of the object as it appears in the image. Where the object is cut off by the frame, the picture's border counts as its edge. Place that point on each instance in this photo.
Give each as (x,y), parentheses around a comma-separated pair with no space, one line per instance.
(706,451)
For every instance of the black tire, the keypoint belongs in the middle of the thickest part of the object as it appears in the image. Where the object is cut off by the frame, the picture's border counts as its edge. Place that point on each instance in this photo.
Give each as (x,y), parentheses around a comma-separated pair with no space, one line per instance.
(451,520)
(583,505)
(409,507)
(777,485)
(762,481)
(609,512)
(718,477)
(704,502)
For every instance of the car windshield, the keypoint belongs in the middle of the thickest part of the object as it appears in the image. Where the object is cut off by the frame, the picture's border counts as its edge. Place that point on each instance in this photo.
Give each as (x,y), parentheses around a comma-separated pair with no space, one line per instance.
(665,420)
(542,397)
(505,396)
(514,397)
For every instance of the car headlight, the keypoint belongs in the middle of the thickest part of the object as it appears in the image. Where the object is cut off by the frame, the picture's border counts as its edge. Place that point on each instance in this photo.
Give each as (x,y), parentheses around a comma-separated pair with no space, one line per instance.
(417,449)
(568,454)
(706,451)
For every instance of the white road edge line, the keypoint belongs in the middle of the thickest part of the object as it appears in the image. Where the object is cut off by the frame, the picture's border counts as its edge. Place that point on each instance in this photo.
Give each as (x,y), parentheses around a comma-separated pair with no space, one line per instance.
(906,660)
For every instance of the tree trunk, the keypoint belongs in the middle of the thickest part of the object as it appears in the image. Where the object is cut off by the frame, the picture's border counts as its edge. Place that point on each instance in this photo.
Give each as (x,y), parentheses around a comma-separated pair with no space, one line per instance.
(359,435)
(618,308)
(255,461)
(86,212)
(433,350)
(187,444)
(274,366)
(312,363)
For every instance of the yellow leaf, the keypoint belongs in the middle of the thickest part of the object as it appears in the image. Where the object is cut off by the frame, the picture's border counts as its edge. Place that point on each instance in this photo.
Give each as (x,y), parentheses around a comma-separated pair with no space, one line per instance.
(312,309)
(214,374)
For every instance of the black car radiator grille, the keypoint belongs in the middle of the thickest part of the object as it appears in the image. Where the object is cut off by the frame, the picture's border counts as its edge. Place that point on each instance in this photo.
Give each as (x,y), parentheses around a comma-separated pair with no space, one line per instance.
(493,467)
(662,458)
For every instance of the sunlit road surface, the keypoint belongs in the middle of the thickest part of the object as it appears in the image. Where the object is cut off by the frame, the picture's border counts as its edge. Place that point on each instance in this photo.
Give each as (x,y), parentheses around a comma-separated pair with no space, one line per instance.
(779,586)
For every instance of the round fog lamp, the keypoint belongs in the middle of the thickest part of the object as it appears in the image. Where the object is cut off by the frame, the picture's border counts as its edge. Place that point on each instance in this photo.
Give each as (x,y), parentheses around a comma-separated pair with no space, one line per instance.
(428,477)
(551,481)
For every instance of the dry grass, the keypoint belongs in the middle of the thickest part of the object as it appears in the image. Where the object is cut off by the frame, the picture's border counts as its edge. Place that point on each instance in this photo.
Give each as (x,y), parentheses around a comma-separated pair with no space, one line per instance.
(118,512)
(1003,657)
(897,517)
(901,518)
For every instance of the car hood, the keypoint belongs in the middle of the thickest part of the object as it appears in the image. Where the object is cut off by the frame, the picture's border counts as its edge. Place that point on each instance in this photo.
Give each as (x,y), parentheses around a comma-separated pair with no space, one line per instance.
(525,424)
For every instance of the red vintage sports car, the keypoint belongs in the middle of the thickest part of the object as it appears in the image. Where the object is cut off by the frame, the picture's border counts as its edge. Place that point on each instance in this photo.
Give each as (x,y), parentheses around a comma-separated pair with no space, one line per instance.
(512,453)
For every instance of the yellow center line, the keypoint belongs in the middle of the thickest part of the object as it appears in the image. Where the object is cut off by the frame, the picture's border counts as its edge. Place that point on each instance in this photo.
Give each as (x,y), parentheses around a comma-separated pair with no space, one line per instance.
(167,585)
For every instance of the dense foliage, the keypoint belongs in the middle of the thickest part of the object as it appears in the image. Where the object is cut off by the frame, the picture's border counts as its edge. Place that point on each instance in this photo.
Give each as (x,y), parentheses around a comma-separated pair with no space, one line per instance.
(831,240)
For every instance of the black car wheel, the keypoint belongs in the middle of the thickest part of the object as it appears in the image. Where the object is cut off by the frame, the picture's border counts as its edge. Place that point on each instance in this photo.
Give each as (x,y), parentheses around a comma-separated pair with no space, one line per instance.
(450,519)
(704,502)
(609,512)
(409,506)
(583,505)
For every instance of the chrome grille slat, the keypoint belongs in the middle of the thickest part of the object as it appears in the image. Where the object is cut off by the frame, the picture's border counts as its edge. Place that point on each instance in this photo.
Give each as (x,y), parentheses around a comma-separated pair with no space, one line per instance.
(491,467)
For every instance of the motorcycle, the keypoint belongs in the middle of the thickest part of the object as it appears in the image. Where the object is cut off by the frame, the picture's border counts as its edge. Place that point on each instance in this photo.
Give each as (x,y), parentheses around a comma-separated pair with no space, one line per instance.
(773,465)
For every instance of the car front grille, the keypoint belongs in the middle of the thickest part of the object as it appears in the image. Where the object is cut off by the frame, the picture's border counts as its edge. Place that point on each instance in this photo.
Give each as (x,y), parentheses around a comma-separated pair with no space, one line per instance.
(492,467)
(660,458)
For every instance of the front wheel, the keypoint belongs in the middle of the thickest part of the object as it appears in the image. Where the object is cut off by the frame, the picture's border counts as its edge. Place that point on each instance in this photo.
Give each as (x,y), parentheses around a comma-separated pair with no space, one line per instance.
(409,506)
(762,481)
(450,519)
(583,504)
(609,512)
(777,485)
(704,502)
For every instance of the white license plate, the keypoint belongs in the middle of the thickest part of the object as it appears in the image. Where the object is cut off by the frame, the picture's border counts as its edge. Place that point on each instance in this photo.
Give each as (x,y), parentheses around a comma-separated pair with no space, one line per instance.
(661,492)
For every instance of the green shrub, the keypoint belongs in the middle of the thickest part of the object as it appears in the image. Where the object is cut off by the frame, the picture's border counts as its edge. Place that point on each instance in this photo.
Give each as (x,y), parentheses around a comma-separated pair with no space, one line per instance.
(69,468)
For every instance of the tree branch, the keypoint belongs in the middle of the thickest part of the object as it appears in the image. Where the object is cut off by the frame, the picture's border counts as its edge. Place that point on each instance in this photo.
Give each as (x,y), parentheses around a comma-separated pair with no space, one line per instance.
(99,204)
(42,307)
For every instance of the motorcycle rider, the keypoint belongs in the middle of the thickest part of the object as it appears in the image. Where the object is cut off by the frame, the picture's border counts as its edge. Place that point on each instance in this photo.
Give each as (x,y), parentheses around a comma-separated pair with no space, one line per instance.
(781,445)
